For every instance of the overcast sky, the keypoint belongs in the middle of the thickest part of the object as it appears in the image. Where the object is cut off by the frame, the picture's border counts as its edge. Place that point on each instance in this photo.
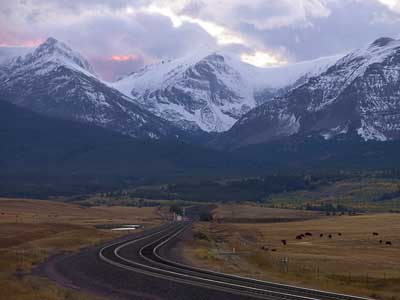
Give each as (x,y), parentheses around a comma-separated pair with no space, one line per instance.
(120,36)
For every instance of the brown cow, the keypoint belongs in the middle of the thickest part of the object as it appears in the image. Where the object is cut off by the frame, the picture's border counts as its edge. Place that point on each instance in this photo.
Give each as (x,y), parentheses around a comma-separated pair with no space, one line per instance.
(284,242)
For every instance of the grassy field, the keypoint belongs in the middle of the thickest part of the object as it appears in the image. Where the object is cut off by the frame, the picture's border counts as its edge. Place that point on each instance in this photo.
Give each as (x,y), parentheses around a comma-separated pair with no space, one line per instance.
(253,212)
(352,261)
(33,230)
(367,194)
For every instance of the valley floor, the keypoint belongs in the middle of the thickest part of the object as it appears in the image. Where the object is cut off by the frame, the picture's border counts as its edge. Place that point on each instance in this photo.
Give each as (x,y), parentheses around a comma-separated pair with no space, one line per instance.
(352,261)
(243,239)
(33,230)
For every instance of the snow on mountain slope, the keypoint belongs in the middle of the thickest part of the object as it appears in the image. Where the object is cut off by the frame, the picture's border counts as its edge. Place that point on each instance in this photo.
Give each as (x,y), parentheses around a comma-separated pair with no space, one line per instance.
(57,81)
(7,54)
(45,58)
(357,97)
(209,92)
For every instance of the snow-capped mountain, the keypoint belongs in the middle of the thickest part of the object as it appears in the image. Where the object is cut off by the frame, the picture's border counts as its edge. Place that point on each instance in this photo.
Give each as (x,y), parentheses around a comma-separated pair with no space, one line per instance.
(210,92)
(357,97)
(57,81)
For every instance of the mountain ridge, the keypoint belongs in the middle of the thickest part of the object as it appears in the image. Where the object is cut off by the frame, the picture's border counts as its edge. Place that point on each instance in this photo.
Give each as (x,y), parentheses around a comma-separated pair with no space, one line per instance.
(209,91)
(55,80)
(215,94)
(357,96)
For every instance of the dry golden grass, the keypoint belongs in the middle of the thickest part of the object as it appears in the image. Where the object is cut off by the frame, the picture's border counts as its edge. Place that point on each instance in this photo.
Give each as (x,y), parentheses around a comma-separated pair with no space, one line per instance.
(33,230)
(34,211)
(354,263)
(249,211)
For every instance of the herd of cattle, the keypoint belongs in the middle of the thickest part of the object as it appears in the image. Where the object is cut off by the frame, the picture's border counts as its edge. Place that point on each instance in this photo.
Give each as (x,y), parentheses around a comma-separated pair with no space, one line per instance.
(321,235)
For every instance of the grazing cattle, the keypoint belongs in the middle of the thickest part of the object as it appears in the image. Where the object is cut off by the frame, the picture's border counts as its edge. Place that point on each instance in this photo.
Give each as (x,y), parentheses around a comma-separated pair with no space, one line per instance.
(388,243)
(273,250)
(308,234)
(299,237)
(339,234)
(284,242)
(375,233)
(380,241)
(321,235)
(330,236)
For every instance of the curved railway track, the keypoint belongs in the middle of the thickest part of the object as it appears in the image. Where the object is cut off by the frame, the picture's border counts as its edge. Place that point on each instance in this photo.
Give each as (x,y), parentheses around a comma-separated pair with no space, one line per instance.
(144,255)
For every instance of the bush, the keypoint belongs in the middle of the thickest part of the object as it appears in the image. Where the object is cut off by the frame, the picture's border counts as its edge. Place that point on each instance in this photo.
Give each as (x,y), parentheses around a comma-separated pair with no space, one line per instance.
(175,208)
(201,236)
(206,217)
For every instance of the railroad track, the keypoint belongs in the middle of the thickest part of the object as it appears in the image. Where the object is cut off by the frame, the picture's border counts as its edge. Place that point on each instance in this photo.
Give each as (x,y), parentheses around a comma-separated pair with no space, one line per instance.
(144,255)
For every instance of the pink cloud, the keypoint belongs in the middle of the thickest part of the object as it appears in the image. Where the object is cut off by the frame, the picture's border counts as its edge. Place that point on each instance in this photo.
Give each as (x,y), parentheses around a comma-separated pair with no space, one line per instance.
(124,57)
(26,43)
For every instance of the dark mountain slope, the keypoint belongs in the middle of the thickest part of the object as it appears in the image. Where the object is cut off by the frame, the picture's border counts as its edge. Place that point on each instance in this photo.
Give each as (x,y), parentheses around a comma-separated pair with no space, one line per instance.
(309,154)
(39,154)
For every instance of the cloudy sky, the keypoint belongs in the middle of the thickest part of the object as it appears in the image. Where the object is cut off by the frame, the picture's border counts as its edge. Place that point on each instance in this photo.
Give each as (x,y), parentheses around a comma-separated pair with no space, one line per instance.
(121,36)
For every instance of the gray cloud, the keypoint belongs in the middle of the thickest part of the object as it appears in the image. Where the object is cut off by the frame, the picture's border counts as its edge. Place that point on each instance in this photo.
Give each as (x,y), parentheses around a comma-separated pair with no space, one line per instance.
(111,70)
(147,37)
(100,29)
(193,8)
(349,25)
(144,36)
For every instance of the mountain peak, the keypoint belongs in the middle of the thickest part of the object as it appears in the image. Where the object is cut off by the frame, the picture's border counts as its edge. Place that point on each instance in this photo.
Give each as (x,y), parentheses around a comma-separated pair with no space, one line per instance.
(51,45)
(355,98)
(54,50)
(51,41)
(208,91)
(215,56)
